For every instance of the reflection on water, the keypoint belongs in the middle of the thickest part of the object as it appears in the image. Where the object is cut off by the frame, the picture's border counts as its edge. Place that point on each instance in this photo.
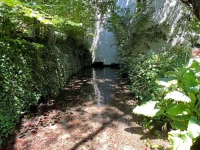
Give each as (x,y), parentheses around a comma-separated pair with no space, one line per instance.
(101,86)
(96,89)
(105,83)
(110,89)
(92,112)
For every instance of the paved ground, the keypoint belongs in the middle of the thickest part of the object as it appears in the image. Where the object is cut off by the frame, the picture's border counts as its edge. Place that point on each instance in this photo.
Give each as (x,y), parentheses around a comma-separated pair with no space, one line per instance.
(93,112)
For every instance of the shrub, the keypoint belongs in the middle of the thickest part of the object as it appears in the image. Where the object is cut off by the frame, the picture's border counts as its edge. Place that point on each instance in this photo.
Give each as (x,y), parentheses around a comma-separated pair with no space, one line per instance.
(29,71)
(180,103)
(144,69)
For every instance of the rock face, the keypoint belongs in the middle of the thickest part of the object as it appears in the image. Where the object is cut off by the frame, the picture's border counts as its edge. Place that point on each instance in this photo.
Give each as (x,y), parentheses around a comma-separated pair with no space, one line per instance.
(167,25)
(168,22)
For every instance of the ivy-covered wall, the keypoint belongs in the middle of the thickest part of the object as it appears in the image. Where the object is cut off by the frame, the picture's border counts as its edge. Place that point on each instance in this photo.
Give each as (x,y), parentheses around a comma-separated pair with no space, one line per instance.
(40,48)
(29,71)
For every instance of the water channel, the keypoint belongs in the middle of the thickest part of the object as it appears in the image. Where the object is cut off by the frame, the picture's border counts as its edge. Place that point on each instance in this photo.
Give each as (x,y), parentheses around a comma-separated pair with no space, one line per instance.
(92,112)
(102,86)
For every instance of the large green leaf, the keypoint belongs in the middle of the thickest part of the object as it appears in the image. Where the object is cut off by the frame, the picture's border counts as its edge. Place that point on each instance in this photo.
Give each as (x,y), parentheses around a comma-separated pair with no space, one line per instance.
(179,110)
(190,82)
(193,101)
(149,109)
(179,125)
(193,128)
(179,140)
(198,96)
(193,63)
(183,118)
(197,69)
(197,108)
(177,96)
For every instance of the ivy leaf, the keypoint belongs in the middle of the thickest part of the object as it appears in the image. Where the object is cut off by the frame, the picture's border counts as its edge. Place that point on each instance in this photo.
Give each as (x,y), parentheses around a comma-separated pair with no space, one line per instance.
(193,128)
(179,140)
(177,96)
(149,109)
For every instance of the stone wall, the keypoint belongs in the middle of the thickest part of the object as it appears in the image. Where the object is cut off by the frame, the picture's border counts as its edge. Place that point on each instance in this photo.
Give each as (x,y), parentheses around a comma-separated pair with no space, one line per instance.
(169,17)
(104,43)
(166,16)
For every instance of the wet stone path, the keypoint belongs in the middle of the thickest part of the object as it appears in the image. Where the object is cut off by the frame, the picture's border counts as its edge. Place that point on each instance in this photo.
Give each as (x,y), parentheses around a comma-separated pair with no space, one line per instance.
(92,112)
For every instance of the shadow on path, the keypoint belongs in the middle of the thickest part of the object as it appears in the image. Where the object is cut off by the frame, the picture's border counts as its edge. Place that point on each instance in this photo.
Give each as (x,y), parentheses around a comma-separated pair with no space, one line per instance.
(93,111)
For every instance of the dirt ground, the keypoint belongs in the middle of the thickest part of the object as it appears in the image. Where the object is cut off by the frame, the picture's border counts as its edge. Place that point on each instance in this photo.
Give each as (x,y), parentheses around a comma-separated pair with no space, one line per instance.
(93,112)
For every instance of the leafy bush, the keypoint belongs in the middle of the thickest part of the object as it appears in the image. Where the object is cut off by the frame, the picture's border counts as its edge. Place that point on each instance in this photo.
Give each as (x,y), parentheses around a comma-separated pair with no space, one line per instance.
(28,71)
(144,69)
(36,53)
(17,86)
(135,32)
(180,103)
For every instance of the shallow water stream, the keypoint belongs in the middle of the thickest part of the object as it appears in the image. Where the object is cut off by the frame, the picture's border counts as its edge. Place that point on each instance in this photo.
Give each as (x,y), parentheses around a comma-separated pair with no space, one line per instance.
(92,112)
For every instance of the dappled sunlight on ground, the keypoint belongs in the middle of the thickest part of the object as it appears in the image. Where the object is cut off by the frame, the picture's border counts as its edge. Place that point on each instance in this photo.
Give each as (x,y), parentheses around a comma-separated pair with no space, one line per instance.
(93,112)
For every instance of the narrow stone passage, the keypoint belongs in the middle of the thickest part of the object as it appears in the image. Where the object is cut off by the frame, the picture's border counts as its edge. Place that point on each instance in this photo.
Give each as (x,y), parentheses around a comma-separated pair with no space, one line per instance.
(93,112)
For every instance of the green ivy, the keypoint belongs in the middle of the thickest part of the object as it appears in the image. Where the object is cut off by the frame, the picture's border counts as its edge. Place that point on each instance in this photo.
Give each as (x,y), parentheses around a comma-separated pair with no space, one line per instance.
(29,71)
(38,54)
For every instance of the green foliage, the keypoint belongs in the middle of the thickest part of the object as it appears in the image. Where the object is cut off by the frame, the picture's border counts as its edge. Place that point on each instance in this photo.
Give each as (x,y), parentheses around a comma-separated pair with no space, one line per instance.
(42,44)
(17,91)
(180,103)
(144,70)
(39,50)
(135,30)
(180,140)
(28,72)
(156,78)
(194,23)
(184,139)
